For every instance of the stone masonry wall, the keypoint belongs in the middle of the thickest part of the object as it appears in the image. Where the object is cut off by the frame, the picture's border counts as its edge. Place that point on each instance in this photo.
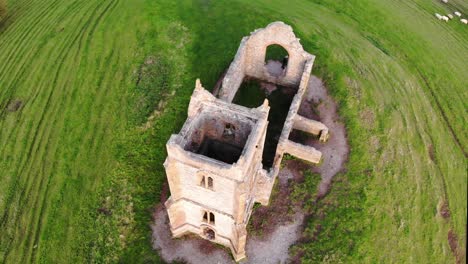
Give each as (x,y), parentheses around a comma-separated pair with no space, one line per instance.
(238,185)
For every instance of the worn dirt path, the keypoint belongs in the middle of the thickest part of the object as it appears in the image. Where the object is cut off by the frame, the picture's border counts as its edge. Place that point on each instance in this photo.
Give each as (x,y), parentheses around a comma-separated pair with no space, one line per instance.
(335,151)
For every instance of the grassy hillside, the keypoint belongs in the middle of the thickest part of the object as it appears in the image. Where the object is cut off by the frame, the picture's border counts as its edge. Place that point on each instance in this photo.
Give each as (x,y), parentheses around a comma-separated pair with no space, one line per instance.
(81,162)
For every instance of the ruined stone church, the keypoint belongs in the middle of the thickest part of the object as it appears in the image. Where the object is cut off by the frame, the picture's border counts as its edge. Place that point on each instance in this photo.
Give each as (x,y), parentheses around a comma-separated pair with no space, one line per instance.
(227,156)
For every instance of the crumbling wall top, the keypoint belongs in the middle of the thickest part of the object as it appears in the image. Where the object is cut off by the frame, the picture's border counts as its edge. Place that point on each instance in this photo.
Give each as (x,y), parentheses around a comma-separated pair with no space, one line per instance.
(250,59)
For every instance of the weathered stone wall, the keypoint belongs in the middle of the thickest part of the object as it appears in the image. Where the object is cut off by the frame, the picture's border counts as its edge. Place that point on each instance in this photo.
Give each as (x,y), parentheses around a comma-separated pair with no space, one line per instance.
(311,126)
(223,228)
(238,185)
(263,187)
(303,152)
(250,59)
(233,184)
(235,74)
(280,34)
(188,186)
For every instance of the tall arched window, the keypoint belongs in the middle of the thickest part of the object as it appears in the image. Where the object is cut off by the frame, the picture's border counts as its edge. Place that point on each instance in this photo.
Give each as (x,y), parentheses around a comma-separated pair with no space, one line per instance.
(210,183)
(276,60)
(212,218)
(206,181)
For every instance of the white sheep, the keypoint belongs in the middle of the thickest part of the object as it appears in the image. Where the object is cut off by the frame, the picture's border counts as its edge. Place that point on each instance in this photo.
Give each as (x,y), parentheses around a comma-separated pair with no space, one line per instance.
(457,13)
(445,1)
(450,16)
(438,16)
(444,18)
(464,21)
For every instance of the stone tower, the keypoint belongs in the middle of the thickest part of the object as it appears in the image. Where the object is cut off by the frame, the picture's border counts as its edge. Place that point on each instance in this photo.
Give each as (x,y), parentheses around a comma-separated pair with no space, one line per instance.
(211,168)
(214,165)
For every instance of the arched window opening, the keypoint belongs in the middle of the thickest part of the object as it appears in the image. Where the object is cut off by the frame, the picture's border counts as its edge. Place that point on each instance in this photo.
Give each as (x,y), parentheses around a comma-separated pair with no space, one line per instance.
(208,217)
(205,217)
(276,60)
(202,183)
(210,183)
(212,218)
(209,233)
(206,182)
(229,131)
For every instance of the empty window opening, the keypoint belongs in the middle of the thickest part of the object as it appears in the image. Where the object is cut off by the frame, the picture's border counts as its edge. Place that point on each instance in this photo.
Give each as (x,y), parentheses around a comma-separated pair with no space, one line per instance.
(229,131)
(251,94)
(212,218)
(210,183)
(208,233)
(206,182)
(276,60)
(208,217)
(203,182)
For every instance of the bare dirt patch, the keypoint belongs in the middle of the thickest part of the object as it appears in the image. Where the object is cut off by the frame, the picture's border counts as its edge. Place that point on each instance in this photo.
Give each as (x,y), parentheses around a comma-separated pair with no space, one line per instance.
(367,117)
(335,151)
(14,105)
(444,210)
(431,152)
(273,229)
(454,247)
(266,219)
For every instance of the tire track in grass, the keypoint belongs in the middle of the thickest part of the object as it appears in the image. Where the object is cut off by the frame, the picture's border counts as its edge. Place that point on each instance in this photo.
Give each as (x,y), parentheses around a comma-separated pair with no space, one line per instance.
(46,187)
(25,32)
(15,11)
(93,139)
(36,135)
(40,222)
(24,158)
(23,53)
(40,90)
(410,120)
(101,82)
(418,119)
(444,120)
(12,135)
(33,142)
(440,173)
(28,66)
(441,110)
(20,54)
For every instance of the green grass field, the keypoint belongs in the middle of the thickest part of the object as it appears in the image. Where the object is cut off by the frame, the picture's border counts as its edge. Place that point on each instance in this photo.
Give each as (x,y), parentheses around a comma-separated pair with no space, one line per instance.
(81,167)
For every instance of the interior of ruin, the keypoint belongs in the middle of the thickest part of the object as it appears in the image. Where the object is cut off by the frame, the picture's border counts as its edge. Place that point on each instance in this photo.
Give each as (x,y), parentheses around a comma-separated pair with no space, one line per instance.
(222,137)
(252,93)
(229,151)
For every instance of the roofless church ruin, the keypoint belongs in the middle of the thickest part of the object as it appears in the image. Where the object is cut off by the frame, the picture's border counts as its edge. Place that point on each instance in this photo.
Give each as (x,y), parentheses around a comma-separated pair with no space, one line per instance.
(228,153)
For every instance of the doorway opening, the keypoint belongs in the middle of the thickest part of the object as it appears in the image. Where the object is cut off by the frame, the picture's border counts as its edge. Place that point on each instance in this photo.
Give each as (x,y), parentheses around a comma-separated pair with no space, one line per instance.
(209,233)
(276,60)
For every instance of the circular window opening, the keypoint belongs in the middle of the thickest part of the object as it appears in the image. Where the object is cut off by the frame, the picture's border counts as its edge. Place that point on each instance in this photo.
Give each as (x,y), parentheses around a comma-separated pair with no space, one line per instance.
(208,233)
(276,60)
